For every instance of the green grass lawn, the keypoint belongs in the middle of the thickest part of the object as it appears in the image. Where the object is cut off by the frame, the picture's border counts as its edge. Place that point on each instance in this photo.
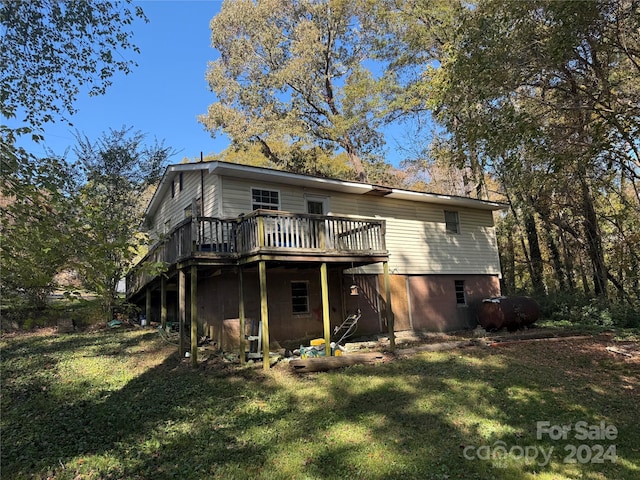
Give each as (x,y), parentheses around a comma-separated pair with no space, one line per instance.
(121,405)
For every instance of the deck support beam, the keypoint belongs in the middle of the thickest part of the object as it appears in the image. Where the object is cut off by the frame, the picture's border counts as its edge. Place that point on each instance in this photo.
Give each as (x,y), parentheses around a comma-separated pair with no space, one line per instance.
(147,305)
(194,315)
(163,302)
(182,310)
(326,321)
(241,315)
(264,314)
(390,319)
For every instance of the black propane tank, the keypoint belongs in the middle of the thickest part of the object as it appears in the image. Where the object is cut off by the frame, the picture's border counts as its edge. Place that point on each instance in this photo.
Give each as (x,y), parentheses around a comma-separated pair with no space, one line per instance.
(511,313)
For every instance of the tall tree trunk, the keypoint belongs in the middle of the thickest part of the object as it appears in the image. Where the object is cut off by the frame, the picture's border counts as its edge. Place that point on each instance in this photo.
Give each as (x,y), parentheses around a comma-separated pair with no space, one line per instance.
(594,241)
(554,252)
(568,262)
(356,161)
(583,277)
(635,279)
(621,259)
(536,263)
(479,188)
(531,251)
(507,261)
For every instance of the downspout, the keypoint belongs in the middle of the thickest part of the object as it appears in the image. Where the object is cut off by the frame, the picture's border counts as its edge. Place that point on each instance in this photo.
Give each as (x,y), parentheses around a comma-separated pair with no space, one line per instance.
(201,188)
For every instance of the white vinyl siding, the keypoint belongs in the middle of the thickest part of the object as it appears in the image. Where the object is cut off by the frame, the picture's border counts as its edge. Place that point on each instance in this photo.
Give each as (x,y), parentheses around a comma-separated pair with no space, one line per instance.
(416,235)
(237,196)
(417,240)
(174,208)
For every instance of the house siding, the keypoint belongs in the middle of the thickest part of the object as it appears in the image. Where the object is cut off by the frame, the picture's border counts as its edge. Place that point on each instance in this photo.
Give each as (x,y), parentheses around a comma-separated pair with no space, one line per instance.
(218,309)
(418,242)
(237,196)
(172,208)
(415,236)
(424,262)
(420,303)
(433,300)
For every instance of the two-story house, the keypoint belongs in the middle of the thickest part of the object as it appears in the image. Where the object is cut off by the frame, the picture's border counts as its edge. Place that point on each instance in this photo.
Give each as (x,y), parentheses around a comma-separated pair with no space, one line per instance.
(245,245)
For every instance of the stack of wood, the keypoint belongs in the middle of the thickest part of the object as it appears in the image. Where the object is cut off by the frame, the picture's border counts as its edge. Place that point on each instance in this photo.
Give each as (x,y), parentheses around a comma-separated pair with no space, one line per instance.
(323,364)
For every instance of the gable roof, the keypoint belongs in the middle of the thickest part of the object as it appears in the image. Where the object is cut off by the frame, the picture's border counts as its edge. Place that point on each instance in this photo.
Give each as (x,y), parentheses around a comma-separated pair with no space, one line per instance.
(309,181)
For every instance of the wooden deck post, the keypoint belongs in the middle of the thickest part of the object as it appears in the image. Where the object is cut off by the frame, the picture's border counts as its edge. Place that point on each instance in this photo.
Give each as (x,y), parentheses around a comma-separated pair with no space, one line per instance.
(326,322)
(322,232)
(264,313)
(163,302)
(194,234)
(182,309)
(194,316)
(241,315)
(147,305)
(390,319)
(261,234)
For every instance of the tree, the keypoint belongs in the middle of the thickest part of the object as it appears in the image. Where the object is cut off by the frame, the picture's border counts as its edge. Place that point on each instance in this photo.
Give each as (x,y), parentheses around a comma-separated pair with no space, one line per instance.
(543,95)
(293,73)
(117,169)
(37,220)
(50,49)
(292,158)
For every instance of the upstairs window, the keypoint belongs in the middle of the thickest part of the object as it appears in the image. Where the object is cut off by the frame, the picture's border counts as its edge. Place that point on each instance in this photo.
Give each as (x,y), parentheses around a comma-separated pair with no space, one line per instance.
(265,199)
(317,204)
(299,297)
(452,221)
(461,298)
(316,208)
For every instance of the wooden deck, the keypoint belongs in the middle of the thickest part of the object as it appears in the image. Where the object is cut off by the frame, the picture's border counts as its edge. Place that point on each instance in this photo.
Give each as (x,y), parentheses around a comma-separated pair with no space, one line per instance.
(263,235)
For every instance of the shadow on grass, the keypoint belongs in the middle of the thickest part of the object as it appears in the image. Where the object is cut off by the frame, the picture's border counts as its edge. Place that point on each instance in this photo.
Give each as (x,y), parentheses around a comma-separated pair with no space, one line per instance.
(44,424)
(423,417)
(448,405)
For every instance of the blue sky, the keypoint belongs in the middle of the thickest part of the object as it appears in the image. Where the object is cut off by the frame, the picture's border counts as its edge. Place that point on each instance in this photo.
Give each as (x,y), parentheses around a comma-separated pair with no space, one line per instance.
(165,93)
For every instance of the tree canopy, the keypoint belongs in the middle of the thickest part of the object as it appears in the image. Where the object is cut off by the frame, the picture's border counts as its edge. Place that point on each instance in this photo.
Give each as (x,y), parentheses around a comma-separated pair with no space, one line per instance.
(543,96)
(535,103)
(295,72)
(50,49)
(117,169)
(37,222)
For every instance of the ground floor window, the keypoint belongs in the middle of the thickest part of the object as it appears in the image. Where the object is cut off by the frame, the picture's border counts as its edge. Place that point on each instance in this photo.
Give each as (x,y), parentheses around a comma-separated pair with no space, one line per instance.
(300,297)
(460,293)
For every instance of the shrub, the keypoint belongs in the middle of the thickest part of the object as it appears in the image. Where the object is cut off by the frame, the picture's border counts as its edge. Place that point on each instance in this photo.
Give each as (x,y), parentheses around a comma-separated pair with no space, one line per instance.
(582,310)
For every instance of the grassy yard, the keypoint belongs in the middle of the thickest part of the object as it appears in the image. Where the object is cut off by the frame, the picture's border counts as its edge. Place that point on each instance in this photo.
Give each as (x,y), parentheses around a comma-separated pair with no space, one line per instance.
(121,405)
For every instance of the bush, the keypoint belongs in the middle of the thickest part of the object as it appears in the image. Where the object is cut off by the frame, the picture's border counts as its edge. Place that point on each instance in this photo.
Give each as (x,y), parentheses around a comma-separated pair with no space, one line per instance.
(18,316)
(625,315)
(581,310)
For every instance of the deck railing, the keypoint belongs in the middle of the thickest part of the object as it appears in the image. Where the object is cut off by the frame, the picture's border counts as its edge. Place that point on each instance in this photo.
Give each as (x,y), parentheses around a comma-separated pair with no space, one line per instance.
(262,230)
(323,234)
